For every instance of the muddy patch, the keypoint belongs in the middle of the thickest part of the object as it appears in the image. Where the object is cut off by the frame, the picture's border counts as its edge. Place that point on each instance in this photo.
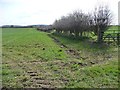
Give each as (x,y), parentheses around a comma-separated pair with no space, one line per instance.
(73,53)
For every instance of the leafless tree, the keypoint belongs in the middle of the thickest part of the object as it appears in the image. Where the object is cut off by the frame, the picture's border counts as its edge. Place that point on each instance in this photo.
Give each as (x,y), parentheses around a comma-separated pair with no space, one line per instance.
(76,22)
(101,19)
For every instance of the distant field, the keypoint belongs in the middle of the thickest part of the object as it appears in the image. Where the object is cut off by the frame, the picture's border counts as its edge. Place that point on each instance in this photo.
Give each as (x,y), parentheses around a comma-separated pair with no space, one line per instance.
(113,30)
(37,59)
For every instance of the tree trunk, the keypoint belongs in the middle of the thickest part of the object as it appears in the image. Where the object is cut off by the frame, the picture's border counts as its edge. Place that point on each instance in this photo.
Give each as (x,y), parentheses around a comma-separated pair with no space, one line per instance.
(81,34)
(100,36)
(76,34)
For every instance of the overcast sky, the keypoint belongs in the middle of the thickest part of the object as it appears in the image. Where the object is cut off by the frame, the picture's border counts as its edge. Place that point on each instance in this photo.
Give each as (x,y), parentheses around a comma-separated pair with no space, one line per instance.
(28,12)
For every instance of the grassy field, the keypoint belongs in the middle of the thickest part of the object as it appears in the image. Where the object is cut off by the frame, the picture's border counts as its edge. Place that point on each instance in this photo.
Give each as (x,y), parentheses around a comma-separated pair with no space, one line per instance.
(113,30)
(43,60)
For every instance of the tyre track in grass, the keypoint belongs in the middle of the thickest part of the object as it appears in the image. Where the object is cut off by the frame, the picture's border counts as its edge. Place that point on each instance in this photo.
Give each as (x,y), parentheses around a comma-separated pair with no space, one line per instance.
(87,61)
(71,52)
(32,76)
(38,78)
(35,75)
(43,75)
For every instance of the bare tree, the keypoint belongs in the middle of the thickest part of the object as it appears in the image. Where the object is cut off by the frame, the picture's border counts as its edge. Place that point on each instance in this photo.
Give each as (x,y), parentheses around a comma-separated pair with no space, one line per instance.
(76,22)
(101,20)
(57,26)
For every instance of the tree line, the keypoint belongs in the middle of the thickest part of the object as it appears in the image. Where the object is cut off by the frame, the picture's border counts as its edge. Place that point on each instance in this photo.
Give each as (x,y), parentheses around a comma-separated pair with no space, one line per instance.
(78,22)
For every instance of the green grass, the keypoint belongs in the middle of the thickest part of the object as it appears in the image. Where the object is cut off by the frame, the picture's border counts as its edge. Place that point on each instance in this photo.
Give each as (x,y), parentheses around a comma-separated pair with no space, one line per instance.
(33,59)
(29,44)
(105,75)
(113,30)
